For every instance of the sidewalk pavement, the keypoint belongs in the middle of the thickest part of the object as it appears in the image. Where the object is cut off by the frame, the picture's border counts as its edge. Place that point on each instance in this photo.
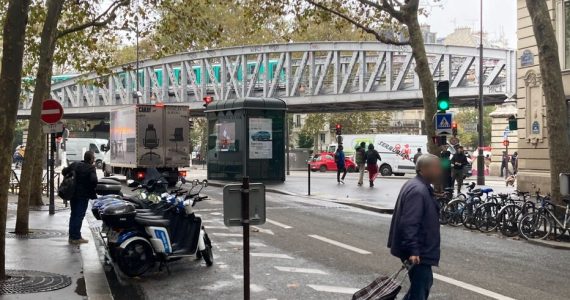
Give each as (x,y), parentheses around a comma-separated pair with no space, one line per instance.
(52,253)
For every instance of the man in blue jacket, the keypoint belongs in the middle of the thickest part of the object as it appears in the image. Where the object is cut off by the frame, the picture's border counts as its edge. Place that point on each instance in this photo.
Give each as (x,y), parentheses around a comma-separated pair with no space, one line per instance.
(340,164)
(414,232)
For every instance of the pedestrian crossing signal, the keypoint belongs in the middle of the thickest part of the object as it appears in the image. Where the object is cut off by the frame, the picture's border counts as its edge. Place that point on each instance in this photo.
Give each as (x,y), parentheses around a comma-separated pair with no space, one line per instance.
(338,129)
(443,96)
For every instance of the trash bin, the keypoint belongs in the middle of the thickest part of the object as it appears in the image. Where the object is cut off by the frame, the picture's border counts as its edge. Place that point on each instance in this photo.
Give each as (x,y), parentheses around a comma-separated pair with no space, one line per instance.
(246,137)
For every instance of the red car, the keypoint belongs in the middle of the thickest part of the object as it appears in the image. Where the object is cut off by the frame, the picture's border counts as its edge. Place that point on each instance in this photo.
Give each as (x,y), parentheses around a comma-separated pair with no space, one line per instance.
(325,162)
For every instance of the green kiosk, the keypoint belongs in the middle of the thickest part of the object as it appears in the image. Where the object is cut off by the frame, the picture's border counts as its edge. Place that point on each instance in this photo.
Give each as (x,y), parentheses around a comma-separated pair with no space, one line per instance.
(246,137)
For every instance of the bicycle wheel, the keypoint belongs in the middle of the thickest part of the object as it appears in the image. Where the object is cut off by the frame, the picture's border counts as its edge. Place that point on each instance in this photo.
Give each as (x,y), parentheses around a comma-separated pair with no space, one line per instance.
(453,211)
(443,218)
(508,220)
(485,217)
(468,215)
(534,226)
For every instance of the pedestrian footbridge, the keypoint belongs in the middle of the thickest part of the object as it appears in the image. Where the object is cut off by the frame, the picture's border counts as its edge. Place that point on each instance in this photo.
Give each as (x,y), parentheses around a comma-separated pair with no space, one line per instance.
(310,77)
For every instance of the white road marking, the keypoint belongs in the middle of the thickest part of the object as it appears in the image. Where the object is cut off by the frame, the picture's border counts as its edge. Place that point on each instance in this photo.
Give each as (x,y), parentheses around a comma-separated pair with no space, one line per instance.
(300,270)
(216,227)
(254,244)
(471,287)
(278,224)
(237,276)
(216,214)
(339,244)
(268,231)
(271,255)
(227,234)
(333,289)
(256,288)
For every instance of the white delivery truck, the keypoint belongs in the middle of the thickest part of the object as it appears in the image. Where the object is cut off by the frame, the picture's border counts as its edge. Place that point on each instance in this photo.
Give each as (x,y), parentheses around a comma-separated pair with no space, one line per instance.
(149,136)
(397,150)
(76,147)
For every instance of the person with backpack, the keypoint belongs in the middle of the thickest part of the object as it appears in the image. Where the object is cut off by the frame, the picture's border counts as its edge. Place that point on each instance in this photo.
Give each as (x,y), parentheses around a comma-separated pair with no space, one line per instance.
(360,161)
(79,186)
(340,164)
(372,157)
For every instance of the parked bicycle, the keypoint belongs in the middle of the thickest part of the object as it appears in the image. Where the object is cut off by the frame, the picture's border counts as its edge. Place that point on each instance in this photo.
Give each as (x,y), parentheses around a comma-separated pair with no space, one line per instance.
(546,220)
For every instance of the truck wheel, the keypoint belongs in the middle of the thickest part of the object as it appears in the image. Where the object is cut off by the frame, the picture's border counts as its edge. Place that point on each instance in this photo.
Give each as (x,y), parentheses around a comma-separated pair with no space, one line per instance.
(385,170)
(323,168)
(99,164)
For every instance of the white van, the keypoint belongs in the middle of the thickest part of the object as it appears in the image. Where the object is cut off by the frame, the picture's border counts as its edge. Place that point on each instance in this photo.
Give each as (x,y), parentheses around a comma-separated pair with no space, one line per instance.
(75,147)
(396,150)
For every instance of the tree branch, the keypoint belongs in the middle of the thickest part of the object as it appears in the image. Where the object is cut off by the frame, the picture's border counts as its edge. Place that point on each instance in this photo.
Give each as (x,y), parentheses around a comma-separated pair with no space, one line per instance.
(389,8)
(109,13)
(379,37)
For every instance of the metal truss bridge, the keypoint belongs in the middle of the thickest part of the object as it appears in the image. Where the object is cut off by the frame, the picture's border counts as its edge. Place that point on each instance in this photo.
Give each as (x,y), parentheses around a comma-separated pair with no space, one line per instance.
(310,77)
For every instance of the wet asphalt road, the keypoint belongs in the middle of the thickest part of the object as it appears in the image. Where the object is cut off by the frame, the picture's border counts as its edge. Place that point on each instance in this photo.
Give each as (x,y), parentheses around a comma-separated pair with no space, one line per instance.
(313,249)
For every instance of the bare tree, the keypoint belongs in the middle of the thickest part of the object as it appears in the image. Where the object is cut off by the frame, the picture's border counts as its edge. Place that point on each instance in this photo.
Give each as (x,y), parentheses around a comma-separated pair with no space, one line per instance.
(556,107)
(10,87)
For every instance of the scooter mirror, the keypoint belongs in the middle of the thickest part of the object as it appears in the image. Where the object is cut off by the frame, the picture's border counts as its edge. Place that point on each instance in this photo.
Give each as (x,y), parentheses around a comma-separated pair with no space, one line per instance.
(196,182)
(205,183)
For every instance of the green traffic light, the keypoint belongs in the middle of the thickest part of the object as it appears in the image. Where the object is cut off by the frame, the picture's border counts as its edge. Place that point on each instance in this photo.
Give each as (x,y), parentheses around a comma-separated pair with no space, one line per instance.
(443,104)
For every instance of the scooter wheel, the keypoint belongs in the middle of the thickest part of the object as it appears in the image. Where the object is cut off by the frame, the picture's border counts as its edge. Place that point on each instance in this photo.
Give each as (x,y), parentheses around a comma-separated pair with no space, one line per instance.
(136,258)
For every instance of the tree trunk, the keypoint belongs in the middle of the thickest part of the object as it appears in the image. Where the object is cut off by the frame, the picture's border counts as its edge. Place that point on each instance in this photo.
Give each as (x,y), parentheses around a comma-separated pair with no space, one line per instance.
(36,180)
(10,88)
(556,107)
(424,73)
(32,166)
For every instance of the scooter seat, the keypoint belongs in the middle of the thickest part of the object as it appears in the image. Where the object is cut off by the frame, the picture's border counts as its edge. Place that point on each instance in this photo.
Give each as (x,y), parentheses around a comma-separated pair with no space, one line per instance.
(152,221)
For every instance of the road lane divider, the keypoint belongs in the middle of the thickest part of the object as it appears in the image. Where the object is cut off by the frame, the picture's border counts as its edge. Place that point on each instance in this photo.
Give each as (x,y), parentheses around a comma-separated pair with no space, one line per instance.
(339,244)
(333,289)
(271,255)
(300,270)
(227,234)
(252,244)
(284,226)
(471,287)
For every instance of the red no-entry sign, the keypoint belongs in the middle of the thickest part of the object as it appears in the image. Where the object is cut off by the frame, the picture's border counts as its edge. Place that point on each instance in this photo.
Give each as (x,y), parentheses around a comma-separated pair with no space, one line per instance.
(52,111)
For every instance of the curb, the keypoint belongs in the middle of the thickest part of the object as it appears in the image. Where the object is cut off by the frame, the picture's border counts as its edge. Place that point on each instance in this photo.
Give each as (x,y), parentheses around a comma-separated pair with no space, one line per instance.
(372,208)
(96,284)
(550,244)
(267,189)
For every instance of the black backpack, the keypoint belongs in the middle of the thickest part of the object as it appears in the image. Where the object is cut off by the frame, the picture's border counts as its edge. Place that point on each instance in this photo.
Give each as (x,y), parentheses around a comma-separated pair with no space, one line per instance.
(66,189)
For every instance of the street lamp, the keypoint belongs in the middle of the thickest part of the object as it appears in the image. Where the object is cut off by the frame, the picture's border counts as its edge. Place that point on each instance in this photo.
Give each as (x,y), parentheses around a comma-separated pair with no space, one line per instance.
(480,158)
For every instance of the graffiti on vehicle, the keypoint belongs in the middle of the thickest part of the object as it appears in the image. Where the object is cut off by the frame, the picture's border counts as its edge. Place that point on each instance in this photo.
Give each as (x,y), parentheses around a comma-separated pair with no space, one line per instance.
(397,149)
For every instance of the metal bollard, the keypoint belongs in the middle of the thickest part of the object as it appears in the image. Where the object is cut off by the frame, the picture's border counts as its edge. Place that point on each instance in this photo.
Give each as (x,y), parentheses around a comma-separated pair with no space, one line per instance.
(309,179)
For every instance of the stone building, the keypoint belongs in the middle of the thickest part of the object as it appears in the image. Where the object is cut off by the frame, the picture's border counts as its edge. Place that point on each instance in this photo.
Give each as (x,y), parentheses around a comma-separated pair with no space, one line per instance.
(534,165)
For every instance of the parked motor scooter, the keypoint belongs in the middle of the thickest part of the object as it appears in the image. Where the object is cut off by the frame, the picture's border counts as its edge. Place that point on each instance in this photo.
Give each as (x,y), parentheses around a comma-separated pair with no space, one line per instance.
(168,231)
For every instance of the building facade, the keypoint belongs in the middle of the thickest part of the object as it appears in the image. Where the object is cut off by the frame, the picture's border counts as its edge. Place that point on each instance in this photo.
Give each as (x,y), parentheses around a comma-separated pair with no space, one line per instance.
(534,161)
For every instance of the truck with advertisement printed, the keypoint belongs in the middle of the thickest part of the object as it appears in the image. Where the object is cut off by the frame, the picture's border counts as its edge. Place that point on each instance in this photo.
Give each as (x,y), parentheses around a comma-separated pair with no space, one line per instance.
(397,150)
(149,136)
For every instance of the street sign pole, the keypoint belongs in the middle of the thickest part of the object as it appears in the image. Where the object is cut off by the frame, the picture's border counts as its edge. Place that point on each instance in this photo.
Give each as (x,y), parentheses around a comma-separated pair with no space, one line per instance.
(309,179)
(51,174)
(51,114)
(245,224)
(480,157)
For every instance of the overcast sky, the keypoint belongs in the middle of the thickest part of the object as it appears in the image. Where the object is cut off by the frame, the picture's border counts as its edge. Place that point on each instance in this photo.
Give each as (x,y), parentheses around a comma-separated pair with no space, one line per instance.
(498,16)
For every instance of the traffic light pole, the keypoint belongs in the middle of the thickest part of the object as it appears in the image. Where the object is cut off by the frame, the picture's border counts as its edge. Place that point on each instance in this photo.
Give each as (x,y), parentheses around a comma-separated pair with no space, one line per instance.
(480,158)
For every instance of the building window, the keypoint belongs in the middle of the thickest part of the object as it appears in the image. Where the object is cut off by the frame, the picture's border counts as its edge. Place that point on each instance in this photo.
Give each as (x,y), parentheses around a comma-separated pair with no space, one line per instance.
(298,121)
(322,137)
(566,34)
